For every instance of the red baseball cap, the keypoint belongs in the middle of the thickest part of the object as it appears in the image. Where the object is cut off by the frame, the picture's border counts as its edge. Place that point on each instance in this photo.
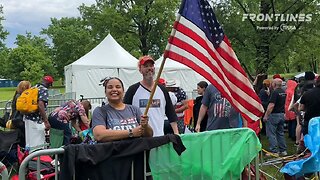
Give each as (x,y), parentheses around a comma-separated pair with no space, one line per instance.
(48,79)
(144,59)
(276,76)
(162,81)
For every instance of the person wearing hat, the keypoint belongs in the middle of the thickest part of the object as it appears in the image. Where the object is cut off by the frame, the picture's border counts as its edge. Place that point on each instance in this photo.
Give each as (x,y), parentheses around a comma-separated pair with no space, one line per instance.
(138,95)
(36,123)
(173,86)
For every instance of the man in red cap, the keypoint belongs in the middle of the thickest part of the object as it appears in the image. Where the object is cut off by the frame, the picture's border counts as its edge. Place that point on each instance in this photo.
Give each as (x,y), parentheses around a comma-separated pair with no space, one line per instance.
(276,76)
(138,95)
(36,123)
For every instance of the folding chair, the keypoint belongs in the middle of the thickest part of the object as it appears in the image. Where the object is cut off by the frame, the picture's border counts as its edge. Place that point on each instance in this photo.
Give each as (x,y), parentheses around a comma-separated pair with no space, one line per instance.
(8,147)
(56,138)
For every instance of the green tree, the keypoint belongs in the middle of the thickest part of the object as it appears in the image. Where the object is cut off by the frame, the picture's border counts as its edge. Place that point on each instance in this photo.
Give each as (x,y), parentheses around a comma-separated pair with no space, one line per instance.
(30,60)
(140,26)
(259,48)
(3,32)
(71,40)
(3,50)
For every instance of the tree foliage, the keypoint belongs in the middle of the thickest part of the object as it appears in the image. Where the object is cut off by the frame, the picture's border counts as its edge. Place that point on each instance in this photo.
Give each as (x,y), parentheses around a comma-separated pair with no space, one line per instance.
(3,50)
(140,26)
(143,26)
(30,60)
(3,32)
(71,40)
(263,50)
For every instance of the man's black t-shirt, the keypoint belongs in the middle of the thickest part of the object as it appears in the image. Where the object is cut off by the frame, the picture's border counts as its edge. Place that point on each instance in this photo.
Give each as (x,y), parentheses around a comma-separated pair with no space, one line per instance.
(311,102)
(278,97)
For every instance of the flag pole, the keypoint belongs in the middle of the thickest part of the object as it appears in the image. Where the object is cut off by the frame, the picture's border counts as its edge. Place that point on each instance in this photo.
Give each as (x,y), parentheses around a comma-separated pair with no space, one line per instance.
(154,86)
(173,32)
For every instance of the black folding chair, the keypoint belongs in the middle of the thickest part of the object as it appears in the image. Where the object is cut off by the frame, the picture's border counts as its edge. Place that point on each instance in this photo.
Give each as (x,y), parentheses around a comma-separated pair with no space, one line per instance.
(8,147)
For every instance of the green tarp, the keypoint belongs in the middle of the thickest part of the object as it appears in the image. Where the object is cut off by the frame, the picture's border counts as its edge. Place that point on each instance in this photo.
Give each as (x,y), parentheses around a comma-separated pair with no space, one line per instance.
(220,154)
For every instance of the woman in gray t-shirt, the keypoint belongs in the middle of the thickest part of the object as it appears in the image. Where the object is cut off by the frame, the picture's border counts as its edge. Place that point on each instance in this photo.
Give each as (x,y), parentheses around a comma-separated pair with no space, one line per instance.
(117,120)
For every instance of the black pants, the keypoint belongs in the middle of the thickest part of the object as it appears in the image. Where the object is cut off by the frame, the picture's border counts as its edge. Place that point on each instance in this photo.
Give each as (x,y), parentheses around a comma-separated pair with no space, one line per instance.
(292,124)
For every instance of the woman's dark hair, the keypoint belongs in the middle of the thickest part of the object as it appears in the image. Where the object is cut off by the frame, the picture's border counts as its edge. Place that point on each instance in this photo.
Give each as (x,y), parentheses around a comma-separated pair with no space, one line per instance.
(202,84)
(87,106)
(106,80)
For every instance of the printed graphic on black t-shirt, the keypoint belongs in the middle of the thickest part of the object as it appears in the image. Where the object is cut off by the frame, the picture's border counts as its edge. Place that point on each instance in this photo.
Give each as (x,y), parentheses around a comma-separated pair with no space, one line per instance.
(154,104)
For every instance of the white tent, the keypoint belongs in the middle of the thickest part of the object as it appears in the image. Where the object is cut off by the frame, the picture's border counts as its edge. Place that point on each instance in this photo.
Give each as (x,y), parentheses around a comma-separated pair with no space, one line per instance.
(302,75)
(185,76)
(107,59)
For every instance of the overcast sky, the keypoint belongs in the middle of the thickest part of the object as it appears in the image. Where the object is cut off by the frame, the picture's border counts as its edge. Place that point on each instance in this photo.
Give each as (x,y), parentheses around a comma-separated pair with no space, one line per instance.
(23,16)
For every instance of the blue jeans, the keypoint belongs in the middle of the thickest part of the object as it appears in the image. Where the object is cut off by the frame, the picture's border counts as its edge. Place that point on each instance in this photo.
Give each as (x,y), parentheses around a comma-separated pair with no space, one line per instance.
(275,132)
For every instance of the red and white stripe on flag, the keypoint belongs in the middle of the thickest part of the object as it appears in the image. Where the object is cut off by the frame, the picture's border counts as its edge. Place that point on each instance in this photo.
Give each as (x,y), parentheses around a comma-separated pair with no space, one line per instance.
(189,45)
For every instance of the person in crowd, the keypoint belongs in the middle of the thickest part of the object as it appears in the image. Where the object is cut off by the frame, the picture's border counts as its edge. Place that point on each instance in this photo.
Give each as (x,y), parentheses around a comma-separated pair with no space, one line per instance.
(290,116)
(201,87)
(167,127)
(36,123)
(138,95)
(305,83)
(294,106)
(16,116)
(264,96)
(274,119)
(117,120)
(180,106)
(73,112)
(221,115)
(309,78)
(258,82)
(310,104)
(264,93)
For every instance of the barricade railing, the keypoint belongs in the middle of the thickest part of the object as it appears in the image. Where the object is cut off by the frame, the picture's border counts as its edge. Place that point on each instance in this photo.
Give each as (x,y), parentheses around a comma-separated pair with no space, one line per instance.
(3,172)
(97,100)
(219,154)
(164,157)
(25,162)
(56,152)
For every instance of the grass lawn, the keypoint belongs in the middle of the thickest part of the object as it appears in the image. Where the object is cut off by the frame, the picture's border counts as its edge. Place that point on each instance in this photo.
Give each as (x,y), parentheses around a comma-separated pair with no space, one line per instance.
(270,169)
(6,93)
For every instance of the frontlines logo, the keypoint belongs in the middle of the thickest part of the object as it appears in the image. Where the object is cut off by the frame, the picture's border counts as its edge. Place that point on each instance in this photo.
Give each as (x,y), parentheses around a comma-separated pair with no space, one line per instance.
(278,17)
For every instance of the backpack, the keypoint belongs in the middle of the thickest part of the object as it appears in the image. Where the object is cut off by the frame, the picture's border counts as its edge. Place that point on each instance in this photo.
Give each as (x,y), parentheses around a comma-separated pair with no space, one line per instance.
(28,101)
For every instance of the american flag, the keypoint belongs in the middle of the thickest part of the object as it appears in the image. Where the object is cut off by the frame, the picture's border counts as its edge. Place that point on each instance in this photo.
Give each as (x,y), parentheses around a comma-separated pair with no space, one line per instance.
(198,41)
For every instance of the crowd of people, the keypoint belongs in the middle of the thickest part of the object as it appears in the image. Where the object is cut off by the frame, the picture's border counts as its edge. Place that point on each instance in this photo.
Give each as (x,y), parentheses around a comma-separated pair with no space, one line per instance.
(169,113)
(293,103)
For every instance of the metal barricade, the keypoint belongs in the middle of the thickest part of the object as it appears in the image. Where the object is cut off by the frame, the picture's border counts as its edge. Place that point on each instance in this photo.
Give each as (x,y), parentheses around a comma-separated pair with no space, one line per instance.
(219,154)
(98,100)
(171,156)
(24,164)
(3,172)
(56,152)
